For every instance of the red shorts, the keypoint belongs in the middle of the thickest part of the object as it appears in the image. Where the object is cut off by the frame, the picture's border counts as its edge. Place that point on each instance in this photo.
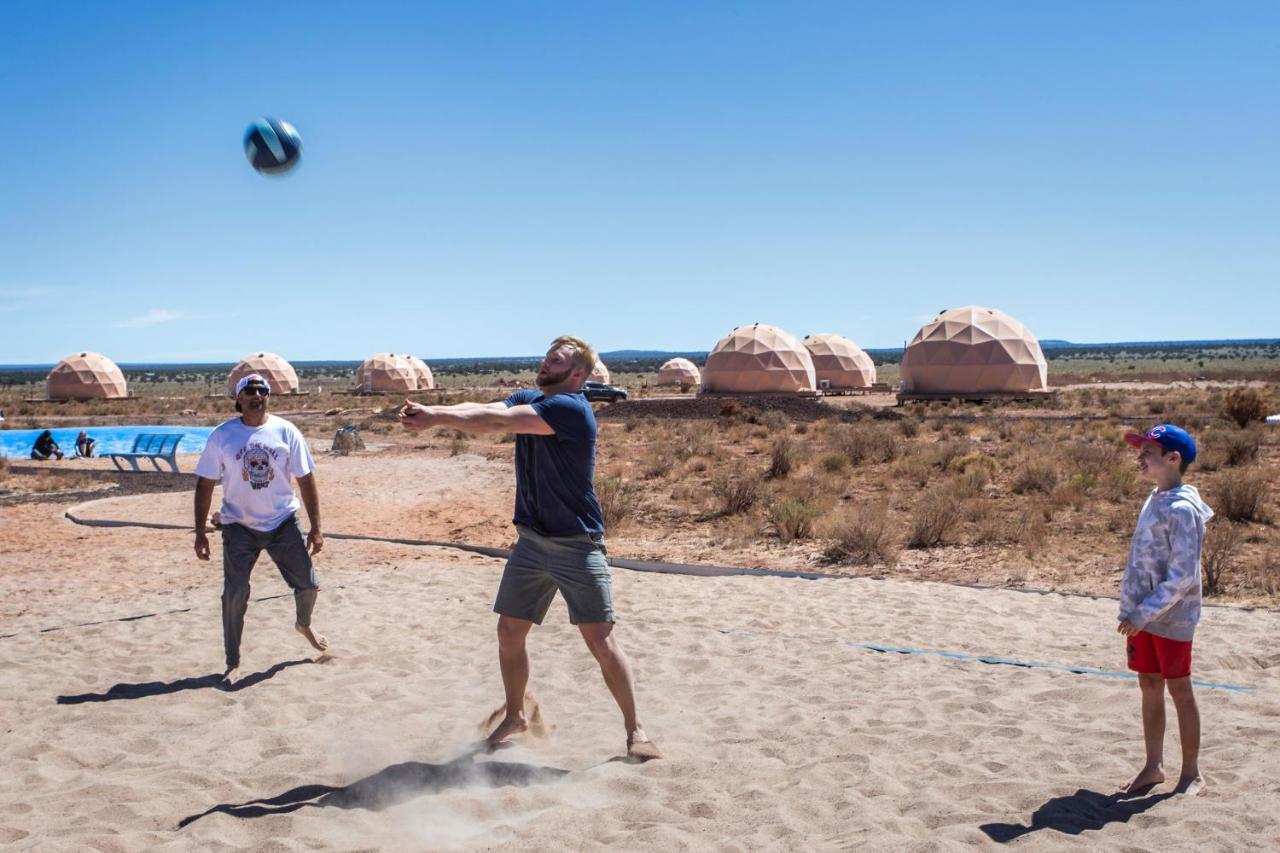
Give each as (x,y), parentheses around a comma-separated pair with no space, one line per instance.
(1159,655)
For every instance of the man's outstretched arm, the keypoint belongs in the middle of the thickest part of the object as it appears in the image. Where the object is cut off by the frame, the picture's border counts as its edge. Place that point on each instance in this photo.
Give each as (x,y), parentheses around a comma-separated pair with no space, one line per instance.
(474,417)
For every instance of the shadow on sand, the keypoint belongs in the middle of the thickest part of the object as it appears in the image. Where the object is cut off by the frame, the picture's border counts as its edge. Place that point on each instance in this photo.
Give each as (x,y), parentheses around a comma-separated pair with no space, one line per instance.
(391,786)
(161,688)
(1084,810)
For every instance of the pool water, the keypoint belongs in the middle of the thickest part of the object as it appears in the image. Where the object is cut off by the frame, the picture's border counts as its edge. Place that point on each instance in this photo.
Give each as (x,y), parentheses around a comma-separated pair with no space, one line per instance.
(16,443)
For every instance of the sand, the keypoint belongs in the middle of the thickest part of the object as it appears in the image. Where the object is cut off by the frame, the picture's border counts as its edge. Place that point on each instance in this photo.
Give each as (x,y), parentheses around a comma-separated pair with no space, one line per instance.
(778,733)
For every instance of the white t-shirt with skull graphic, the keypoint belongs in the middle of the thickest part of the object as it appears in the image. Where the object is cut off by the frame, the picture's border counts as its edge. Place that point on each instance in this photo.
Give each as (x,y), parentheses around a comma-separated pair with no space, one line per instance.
(255,465)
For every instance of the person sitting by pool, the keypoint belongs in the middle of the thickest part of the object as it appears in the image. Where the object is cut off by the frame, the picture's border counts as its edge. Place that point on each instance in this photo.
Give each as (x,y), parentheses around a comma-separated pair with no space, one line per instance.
(45,447)
(84,445)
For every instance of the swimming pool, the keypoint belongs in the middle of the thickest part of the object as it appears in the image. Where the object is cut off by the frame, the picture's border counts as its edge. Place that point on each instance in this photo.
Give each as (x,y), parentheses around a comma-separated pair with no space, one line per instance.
(16,443)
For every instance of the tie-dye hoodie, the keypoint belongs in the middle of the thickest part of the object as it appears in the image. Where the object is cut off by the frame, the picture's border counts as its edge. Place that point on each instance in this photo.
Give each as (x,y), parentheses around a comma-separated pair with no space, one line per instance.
(1160,592)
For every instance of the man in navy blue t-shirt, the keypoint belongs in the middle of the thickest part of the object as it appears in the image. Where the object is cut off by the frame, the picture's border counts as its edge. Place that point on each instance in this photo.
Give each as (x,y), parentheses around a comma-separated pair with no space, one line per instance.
(560,525)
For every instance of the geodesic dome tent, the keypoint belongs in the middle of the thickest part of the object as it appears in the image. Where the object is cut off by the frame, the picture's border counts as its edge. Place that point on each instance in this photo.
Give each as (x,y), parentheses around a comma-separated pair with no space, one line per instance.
(840,362)
(973,350)
(599,373)
(679,371)
(758,359)
(86,376)
(422,372)
(278,372)
(386,372)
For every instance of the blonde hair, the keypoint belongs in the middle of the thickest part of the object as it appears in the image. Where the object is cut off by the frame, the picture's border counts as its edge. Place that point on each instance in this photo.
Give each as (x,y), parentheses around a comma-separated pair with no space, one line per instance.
(584,355)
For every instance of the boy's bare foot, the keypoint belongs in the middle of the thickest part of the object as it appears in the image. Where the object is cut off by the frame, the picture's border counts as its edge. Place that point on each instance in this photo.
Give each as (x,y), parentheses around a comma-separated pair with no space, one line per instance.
(231,676)
(1146,777)
(1190,786)
(509,726)
(317,643)
(641,748)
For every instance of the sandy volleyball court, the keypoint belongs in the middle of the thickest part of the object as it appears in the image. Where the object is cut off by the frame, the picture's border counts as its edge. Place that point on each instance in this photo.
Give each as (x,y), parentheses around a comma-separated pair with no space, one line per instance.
(780,731)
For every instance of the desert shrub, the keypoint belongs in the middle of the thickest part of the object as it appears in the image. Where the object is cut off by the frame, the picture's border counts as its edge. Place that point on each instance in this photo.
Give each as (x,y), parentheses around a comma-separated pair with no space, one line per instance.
(1089,460)
(963,464)
(4,469)
(865,442)
(959,429)
(773,420)
(792,518)
(935,518)
(1237,447)
(1244,406)
(782,457)
(946,452)
(618,499)
(458,443)
(1035,476)
(1263,574)
(1222,543)
(1241,495)
(737,491)
(834,463)
(916,469)
(693,439)
(969,484)
(909,427)
(659,462)
(1120,483)
(862,537)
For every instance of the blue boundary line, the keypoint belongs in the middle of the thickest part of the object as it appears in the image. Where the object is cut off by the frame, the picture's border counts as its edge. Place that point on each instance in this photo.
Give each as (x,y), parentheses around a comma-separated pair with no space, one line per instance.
(998,661)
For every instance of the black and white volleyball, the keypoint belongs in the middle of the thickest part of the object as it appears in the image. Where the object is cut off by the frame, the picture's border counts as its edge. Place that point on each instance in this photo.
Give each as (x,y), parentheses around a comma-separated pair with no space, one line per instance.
(272,146)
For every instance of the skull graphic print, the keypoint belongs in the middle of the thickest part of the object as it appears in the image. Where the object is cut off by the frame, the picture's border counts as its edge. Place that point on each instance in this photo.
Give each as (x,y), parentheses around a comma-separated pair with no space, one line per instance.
(255,466)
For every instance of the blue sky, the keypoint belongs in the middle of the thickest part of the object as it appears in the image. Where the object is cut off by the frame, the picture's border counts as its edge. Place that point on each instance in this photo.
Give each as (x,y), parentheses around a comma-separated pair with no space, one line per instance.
(478,178)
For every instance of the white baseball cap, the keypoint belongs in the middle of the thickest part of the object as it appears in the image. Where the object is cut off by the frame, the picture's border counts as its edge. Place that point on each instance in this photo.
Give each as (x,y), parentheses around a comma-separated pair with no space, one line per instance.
(252,377)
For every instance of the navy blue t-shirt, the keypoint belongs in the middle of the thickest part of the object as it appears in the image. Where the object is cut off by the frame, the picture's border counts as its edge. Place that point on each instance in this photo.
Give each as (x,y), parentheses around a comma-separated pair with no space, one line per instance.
(555,474)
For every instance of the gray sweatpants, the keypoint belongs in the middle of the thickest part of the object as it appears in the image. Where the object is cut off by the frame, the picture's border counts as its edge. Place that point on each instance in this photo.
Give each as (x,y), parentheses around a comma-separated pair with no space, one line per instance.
(240,549)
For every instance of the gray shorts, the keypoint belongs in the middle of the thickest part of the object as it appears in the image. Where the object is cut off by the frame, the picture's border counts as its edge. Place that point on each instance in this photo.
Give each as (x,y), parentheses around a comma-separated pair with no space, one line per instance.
(539,565)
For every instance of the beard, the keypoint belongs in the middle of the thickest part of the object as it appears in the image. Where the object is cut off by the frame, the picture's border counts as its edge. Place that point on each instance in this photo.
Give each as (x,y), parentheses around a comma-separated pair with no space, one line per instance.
(548,379)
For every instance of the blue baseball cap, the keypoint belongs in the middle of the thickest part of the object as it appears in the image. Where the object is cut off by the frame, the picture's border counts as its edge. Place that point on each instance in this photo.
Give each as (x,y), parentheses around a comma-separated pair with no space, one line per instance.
(1168,437)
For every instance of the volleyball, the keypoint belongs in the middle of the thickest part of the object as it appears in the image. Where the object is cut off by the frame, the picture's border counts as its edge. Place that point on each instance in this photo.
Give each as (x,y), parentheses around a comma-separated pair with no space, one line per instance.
(272,146)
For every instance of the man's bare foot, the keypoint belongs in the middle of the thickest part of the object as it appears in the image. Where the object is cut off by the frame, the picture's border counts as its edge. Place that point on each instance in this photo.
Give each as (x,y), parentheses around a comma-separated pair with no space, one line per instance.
(509,726)
(1190,785)
(317,643)
(1146,777)
(231,676)
(640,748)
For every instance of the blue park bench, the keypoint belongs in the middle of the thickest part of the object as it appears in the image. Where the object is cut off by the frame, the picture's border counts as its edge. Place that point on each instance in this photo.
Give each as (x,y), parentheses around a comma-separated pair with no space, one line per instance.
(153,446)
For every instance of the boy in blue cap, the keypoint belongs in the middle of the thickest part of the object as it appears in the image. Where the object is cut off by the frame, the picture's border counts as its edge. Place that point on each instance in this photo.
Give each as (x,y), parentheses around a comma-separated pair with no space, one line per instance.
(1160,601)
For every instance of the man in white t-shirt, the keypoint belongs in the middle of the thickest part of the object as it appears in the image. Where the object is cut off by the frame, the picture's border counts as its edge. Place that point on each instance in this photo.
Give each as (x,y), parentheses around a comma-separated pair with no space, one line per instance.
(254,456)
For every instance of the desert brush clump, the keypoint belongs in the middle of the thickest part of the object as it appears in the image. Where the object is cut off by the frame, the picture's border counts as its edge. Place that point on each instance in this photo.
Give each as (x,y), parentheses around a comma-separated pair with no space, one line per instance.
(1237,446)
(1241,495)
(936,516)
(867,442)
(863,536)
(782,457)
(834,463)
(737,491)
(619,499)
(1222,543)
(1244,406)
(792,518)
(1034,477)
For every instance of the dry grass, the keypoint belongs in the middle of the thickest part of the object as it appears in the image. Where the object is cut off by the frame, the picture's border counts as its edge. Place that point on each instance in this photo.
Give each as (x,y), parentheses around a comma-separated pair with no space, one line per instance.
(1244,406)
(737,491)
(782,457)
(619,498)
(862,537)
(1220,554)
(792,518)
(867,442)
(1241,495)
(1035,477)
(936,517)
